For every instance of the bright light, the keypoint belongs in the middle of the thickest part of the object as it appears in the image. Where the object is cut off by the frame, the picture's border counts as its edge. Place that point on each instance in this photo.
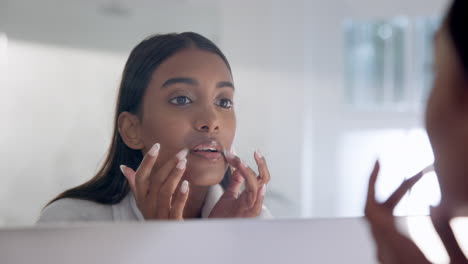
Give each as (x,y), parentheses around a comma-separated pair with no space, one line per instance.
(460,228)
(422,232)
(402,154)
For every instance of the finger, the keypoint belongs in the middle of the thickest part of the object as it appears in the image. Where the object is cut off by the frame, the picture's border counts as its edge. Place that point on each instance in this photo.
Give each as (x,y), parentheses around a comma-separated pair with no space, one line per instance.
(232,191)
(250,171)
(168,188)
(144,171)
(129,173)
(441,222)
(243,203)
(180,199)
(372,181)
(264,173)
(248,174)
(159,177)
(396,196)
(257,208)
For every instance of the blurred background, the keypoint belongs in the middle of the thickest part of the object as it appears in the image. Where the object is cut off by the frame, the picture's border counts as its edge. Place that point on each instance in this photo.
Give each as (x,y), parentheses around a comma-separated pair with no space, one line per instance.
(324,88)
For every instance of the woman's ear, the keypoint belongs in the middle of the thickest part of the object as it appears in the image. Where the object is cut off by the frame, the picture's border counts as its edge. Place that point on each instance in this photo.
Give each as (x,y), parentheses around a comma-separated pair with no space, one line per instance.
(130,130)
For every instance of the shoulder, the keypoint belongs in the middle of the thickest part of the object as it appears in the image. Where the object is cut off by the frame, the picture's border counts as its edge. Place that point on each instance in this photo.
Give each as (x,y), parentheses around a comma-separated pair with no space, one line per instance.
(75,210)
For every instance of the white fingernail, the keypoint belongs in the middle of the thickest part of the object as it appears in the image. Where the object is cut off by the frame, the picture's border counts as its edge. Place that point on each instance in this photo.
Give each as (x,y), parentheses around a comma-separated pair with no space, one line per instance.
(181,164)
(122,168)
(233,150)
(154,150)
(185,186)
(228,155)
(182,154)
(263,189)
(258,154)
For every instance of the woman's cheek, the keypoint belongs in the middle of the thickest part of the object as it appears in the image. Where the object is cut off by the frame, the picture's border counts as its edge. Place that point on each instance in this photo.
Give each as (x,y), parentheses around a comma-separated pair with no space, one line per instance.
(231,129)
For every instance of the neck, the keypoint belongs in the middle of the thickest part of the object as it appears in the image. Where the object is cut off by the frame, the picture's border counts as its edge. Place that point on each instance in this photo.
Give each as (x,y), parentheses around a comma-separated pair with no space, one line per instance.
(195,201)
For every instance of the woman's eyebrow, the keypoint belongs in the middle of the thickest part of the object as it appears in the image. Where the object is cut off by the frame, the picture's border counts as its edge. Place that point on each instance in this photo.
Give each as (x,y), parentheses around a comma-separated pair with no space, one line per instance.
(225,84)
(193,82)
(184,80)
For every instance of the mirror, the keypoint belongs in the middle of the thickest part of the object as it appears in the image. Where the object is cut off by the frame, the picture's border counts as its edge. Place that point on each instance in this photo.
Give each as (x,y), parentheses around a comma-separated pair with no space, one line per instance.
(323,88)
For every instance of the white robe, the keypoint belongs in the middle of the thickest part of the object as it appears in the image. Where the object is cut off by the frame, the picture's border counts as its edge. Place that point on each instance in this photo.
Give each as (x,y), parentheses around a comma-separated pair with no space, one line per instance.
(77,210)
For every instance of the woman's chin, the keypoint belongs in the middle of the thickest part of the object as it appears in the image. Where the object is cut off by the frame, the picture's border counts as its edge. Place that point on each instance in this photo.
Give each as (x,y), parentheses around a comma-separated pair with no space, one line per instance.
(202,176)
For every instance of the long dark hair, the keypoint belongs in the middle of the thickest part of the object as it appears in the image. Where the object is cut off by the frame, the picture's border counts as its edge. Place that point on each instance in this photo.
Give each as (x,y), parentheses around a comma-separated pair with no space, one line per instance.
(457,22)
(109,186)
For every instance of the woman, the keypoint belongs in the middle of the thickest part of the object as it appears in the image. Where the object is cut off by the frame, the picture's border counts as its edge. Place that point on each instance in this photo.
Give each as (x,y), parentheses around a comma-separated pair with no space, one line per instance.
(447,127)
(173,131)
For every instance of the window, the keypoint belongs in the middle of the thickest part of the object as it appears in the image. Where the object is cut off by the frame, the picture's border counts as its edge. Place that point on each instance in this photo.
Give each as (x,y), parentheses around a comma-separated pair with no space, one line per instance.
(388,62)
(425,29)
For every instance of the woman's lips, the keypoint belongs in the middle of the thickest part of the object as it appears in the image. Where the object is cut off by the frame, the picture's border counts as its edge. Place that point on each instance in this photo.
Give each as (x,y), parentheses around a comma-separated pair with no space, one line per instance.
(208,149)
(212,156)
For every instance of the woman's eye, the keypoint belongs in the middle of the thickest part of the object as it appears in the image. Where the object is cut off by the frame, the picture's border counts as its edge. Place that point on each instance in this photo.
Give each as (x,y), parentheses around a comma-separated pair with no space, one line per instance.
(225,103)
(180,100)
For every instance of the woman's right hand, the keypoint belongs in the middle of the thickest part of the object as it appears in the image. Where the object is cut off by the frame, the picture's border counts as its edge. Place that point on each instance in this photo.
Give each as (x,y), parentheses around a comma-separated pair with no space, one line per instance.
(156,192)
(391,245)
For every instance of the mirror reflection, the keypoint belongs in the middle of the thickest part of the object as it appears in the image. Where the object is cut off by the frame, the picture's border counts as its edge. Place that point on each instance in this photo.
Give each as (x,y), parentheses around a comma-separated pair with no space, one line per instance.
(318,89)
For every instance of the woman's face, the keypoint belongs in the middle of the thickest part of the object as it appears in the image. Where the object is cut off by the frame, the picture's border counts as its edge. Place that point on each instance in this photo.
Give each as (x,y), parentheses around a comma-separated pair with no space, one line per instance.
(189,104)
(447,121)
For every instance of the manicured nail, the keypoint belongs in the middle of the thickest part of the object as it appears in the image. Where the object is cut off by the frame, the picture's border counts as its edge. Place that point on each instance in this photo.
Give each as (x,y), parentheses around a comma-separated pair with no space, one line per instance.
(228,155)
(181,164)
(263,189)
(233,150)
(185,186)
(122,168)
(154,150)
(182,154)
(258,154)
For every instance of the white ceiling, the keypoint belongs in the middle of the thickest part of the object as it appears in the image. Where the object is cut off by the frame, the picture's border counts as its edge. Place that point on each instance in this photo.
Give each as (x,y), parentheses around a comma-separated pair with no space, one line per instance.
(105,24)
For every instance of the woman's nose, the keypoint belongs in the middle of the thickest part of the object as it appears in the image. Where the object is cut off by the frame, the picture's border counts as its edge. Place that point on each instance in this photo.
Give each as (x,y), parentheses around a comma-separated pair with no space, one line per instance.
(207,121)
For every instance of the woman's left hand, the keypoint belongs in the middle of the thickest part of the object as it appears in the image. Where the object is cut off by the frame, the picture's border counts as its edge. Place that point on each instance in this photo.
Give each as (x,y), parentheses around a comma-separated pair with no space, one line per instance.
(392,246)
(249,203)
